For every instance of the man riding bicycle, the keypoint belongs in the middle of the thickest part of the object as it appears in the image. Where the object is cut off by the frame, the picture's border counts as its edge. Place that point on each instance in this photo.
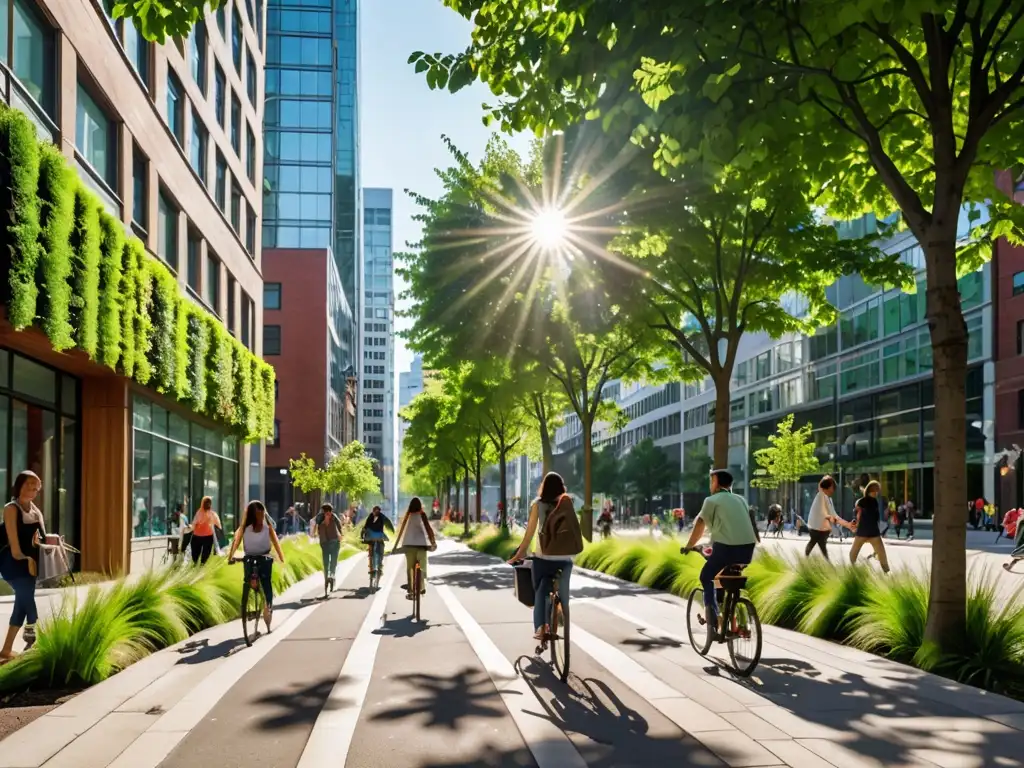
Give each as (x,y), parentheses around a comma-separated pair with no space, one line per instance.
(374,537)
(327,526)
(726,516)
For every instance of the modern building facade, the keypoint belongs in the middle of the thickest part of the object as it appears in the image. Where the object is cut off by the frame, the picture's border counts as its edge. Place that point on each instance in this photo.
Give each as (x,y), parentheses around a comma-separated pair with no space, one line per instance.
(304,314)
(146,128)
(410,384)
(377,373)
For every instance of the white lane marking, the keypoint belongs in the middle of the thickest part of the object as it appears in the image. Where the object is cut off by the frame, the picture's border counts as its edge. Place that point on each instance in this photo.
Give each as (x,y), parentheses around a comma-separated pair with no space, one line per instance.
(153,746)
(550,747)
(331,738)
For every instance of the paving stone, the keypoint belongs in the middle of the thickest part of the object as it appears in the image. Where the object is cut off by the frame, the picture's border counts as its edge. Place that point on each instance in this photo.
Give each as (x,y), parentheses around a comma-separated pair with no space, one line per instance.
(736,749)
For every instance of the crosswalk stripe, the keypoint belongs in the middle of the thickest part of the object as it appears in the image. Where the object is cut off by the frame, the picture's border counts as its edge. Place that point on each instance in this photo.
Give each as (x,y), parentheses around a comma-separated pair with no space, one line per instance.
(331,738)
(550,747)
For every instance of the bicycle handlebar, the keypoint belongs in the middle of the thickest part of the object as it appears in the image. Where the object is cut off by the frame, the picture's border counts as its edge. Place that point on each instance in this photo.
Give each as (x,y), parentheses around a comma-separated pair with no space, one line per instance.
(243,558)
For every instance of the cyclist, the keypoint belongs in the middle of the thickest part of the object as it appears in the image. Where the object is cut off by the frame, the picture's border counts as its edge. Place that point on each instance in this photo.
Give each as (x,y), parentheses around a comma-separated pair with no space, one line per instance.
(374,537)
(257,537)
(415,537)
(726,516)
(327,526)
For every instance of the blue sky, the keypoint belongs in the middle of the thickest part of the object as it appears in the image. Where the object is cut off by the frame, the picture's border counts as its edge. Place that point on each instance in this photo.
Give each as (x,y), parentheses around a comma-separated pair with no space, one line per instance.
(402,120)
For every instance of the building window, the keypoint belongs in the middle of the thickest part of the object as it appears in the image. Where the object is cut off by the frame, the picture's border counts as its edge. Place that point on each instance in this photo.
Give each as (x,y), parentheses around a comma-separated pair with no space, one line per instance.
(1020,337)
(259,22)
(176,108)
(140,190)
(236,124)
(271,340)
(383,216)
(236,208)
(236,41)
(250,230)
(194,264)
(220,191)
(137,48)
(167,231)
(220,98)
(246,320)
(95,137)
(199,141)
(277,433)
(213,281)
(222,19)
(1018,283)
(1020,409)
(250,153)
(271,296)
(197,45)
(34,55)
(231,304)
(250,79)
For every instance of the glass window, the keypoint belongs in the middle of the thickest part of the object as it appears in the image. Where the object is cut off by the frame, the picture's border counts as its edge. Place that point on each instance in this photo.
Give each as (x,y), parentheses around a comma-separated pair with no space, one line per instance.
(250,153)
(200,139)
(194,252)
(383,216)
(763,365)
(1020,337)
(34,54)
(34,380)
(176,108)
(158,488)
(971,289)
(250,79)
(271,295)
(236,124)
(250,230)
(1018,283)
(236,41)
(213,281)
(221,183)
(140,189)
(95,137)
(231,304)
(220,100)
(167,231)
(141,476)
(137,48)
(197,51)
(271,340)
(246,320)
(222,18)
(236,207)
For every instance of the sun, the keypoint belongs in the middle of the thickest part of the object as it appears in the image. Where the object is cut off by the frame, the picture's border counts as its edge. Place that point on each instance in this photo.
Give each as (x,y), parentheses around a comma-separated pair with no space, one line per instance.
(549,228)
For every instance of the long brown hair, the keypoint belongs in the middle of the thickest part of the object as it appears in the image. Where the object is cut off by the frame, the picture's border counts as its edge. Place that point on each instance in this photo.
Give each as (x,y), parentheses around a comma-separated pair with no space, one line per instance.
(415,505)
(552,488)
(255,514)
(206,504)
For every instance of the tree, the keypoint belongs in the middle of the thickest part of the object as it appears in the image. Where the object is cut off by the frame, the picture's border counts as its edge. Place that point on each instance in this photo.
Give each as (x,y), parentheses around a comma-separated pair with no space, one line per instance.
(308,477)
(697,466)
(788,458)
(608,474)
(888,107)
(351,472)
(648,472)
(158,19)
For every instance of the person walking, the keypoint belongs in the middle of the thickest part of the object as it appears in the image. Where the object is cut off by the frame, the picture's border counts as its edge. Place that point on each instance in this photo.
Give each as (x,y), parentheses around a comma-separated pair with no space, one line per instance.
(821,517)
(866,526)
(415,537)
(1015,530)
(20,537)
(327,526)
(203,534)
(910,519)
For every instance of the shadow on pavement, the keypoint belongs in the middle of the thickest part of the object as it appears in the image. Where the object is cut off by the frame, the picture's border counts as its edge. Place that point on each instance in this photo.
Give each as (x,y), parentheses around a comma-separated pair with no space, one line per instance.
(462,557)
(404,627)
(446,701)
(200,651)
(492,578)
(299,704)
(647,643)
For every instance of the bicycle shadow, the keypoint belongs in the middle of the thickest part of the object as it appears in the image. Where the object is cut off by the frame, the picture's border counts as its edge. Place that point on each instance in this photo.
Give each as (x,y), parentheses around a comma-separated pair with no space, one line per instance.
(404,627)
(200,651)
(646,643)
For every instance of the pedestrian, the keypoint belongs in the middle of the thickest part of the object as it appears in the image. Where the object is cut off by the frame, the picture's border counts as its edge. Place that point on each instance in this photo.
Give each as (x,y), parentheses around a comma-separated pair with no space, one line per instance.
(910,520)
(866,526)
(203,534)
(821,517)
(327,527)
(1012,526)
(20,537)
(415,537)
(775,519)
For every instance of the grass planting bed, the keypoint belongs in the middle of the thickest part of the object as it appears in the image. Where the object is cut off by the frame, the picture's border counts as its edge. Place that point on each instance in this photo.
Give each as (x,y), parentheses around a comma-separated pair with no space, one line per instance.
(855,605)
(89,639)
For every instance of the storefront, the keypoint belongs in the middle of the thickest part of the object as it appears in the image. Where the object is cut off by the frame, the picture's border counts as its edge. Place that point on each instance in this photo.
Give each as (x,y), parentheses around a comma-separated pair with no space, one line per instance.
(39,431)
(175,463)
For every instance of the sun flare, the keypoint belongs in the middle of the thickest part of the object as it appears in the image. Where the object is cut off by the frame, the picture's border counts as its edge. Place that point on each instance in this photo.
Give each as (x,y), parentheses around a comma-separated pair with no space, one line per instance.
(549,228)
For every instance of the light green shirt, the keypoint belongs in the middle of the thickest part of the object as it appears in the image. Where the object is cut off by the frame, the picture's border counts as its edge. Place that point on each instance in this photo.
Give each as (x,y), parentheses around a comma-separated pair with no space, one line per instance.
(727,519)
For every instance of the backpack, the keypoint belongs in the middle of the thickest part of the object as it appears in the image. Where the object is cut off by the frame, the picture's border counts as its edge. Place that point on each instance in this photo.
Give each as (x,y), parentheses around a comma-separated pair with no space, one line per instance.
(560,534)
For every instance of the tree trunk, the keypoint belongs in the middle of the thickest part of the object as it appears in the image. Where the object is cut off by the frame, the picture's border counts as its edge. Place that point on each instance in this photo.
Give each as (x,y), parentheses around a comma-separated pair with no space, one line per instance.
(546,452)
(502,490)
(947,603)
(465,497)
(479,491)
(586,514)
(722,400)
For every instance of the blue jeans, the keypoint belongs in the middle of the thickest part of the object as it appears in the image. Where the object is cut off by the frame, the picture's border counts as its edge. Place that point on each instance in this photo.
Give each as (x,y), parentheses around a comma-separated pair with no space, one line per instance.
(722,555)
(330,549)
(543,573)
(265,569)
(24,611)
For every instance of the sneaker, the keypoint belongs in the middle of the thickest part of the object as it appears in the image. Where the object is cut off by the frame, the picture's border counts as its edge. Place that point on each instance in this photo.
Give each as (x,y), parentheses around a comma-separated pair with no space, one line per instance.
(408,595)
(29,635)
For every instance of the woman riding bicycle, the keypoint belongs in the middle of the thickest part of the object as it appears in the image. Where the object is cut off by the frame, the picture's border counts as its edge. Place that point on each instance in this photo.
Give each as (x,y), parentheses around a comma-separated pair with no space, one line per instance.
(327,526)
(257,537)
(374,537)
(415,537)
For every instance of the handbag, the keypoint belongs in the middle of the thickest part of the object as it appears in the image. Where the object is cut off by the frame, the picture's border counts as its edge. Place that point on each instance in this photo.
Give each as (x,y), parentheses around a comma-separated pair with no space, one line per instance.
(54,562)
(524,583)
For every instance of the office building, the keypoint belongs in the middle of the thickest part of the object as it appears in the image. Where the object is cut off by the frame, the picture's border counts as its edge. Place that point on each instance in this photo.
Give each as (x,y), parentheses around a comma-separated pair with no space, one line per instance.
(410,384)
(311,208)
(147,130)
(377,373)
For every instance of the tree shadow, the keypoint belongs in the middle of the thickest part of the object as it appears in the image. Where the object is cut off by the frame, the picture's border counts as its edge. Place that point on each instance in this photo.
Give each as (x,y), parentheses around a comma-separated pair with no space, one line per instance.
(486,579)
(462,557)
(299,704)
(646,643)
(200,651)
(445,701)
(404,627)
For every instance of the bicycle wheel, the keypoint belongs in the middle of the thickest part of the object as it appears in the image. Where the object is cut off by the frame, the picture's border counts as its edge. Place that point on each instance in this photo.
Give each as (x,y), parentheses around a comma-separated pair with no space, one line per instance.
(416,577)
(696,625)
(252,612)
(744,637)
(559,639)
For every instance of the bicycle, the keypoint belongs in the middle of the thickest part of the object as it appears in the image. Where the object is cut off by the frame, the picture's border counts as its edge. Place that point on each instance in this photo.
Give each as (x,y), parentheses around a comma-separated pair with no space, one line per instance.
(376,550)
(556,640)
(417,586)
(253,599)
(738,617)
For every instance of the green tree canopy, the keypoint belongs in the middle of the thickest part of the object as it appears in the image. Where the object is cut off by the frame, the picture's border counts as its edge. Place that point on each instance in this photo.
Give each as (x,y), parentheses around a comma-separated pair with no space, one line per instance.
(159,19)
(648,472)
(351,472)
(788,458)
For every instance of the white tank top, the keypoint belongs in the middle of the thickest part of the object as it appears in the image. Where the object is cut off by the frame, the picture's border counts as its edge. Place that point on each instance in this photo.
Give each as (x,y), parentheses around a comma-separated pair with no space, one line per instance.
(256,542)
